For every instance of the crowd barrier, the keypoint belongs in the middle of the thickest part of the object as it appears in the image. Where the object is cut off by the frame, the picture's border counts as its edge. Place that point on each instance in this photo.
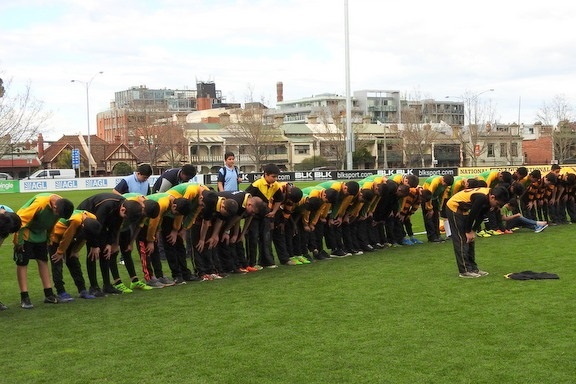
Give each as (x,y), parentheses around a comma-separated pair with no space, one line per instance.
(108,183)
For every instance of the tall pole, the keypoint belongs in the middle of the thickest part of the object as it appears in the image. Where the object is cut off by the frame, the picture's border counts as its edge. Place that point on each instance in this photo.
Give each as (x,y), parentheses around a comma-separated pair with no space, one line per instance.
(88,125)
(87,86)
(349,133)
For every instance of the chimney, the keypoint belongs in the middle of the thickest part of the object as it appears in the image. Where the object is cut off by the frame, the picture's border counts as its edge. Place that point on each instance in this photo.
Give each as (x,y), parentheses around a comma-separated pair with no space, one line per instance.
(312,119)
(278,120)
(40,147)
(279,91)
(224,118)
(366,120)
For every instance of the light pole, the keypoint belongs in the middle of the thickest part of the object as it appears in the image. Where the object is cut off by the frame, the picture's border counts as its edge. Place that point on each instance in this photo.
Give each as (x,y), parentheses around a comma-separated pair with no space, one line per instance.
(469,99)
(87,85)
(349,132)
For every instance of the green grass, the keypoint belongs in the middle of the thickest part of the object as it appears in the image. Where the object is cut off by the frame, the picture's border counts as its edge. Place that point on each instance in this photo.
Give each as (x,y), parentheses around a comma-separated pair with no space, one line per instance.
(400,315)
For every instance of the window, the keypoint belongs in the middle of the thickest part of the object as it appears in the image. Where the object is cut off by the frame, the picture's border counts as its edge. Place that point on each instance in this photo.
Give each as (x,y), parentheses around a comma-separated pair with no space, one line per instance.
(503,150)
(302,149)
(514,149)
(490,151)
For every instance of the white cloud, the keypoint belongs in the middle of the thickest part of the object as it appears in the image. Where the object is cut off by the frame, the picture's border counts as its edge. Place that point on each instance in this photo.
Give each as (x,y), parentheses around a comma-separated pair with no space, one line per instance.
(432,49)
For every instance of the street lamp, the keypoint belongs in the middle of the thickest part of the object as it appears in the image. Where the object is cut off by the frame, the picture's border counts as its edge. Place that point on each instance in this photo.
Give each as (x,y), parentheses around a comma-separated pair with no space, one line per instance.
(349,132)
(87,85)
(469,99)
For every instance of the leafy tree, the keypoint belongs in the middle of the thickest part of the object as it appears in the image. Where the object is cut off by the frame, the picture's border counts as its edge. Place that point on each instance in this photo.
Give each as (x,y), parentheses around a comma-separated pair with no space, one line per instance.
(311,162)
(362,158)
(122,169)
(64,159)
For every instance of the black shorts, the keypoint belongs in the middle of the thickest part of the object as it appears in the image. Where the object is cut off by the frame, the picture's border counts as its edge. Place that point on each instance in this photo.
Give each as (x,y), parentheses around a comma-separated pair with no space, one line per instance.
(38,251)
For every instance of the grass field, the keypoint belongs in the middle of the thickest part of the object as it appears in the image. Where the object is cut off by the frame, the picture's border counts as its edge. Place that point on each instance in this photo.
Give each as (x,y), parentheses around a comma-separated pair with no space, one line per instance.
(400,315)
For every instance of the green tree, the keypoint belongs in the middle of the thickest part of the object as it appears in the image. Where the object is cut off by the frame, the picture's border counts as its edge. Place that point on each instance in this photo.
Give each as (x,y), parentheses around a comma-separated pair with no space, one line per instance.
(311,162)
(64,160)
(122,169)
(362,158)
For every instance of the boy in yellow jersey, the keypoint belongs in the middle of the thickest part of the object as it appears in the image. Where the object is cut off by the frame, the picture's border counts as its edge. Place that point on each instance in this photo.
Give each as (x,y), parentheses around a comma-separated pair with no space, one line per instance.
(464,210)
(206,229)
(259,242)
(112,211)
(192,192)
(437,185)
(38,215)
(166,225)
(386,209)
(314,219)
(284,228)
(126,239)
(334,234)
(408,206)
(564,194)
(231,249)
(301,239)
(67,239)
(355,219)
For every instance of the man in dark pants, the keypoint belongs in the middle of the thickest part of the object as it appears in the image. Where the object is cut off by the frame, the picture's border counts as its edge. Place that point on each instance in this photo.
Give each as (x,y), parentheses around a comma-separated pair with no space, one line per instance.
(259,244)
(464,210)
(111,210)
(66,239)
(230,249)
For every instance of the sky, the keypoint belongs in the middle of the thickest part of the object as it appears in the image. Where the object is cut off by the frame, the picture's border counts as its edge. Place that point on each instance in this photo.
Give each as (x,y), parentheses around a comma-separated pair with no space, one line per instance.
(525,51)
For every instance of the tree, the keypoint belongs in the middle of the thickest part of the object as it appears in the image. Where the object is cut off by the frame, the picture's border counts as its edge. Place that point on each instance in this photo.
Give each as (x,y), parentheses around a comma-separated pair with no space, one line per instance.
(362,158)
(64,159)
(311,163)
(122,169)
(563,135)
(258,138)
(21,117)
(330,125)
(479,119)
(418,138)
(564,140)
(157,134)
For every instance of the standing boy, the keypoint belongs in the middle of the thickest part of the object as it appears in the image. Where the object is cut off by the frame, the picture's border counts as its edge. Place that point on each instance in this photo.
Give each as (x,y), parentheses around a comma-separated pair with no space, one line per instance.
(135,183)
(228,176)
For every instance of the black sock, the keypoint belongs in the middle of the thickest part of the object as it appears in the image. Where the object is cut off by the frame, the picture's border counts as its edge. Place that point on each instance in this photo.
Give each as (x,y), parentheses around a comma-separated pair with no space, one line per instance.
(24,295)
(48,292)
